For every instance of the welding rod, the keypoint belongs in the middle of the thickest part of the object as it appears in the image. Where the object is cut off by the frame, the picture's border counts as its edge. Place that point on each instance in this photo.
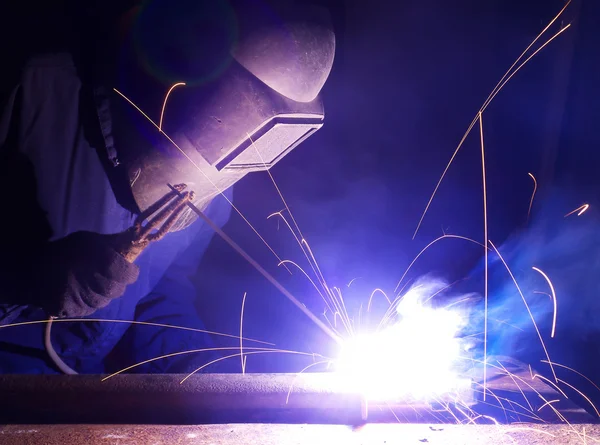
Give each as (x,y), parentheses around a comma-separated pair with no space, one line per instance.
(258,267)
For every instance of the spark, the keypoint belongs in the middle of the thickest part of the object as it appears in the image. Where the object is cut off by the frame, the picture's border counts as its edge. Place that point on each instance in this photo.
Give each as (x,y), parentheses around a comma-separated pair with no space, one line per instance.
(305,247)
(532,194)
(162,112)
(553,299)
(531,387)
(582,395)
(320,274)
(263,351)
(338,291)
(509,374)
(529,414)
(371,298)
(195,351)
(495,397)
(299,237)
(173,354)
(283,200)
(580,209)
(312,365)
(526,306)
(576,372)
(352,281)
(241,341)
(427,247)
(309,279)
(551,383)
(529,58)
(142,323)
(485,250)
(549,402)
(507,76)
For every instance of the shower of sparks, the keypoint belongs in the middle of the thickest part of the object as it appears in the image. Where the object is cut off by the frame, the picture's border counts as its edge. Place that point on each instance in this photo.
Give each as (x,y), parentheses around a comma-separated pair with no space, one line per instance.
(532,195)
(580,209)
(162,111)
(503,81)
(553,299)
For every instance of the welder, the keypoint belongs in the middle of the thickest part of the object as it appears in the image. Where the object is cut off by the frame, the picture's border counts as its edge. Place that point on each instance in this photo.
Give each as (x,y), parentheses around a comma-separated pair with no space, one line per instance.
(90,227)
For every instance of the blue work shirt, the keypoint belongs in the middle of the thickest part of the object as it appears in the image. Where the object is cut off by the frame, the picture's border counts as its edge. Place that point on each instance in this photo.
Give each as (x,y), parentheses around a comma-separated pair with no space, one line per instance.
(74,192)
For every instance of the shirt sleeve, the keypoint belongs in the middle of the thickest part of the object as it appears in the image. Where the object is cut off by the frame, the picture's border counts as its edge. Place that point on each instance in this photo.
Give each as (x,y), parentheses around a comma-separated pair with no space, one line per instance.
(172,302)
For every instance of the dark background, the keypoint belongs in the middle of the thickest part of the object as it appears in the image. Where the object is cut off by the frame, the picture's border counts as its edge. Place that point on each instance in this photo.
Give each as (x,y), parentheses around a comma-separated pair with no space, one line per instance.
(408,78)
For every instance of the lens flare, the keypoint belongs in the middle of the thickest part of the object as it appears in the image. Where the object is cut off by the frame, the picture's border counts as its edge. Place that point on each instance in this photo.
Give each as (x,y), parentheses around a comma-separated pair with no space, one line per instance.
(414,358)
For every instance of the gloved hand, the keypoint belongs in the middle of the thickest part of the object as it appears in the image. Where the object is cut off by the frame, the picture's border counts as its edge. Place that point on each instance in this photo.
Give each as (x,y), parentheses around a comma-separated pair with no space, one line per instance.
(85,270)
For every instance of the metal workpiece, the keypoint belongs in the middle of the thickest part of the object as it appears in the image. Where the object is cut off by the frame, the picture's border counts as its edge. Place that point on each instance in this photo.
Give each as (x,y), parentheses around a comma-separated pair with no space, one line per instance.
(203,398)
(163,399)
(316,398)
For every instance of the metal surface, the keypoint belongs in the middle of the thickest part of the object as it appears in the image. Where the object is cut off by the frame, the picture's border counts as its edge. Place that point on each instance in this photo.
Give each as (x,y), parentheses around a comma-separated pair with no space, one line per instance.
(260,434)
(204,398)
(260,398)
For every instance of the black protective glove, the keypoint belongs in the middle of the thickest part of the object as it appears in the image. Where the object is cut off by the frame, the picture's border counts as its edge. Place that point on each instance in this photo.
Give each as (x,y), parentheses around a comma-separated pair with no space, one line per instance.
(82,272)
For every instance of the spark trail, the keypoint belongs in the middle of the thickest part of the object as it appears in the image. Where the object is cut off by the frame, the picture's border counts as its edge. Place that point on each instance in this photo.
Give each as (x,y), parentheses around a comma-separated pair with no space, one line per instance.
(527,307)
(581,209)
(503,81)
(553,299)
(485,250)
(532,194)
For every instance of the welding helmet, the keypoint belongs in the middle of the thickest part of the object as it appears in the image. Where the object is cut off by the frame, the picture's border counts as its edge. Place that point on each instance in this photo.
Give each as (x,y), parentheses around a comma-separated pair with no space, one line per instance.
(252,77)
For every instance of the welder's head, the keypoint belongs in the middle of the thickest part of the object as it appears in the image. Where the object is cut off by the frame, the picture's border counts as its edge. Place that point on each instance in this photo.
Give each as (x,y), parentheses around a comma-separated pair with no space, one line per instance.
(252,78)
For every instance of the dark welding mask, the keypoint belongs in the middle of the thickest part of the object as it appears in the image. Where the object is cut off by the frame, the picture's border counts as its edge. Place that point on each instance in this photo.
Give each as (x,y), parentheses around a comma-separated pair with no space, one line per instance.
(243,116)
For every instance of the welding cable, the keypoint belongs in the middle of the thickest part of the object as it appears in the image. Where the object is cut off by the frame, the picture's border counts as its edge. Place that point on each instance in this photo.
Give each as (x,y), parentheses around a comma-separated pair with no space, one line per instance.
(65,369)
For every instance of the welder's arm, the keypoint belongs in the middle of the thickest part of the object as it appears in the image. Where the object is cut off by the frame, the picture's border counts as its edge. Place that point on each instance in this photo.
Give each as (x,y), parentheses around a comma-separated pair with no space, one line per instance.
(172,302)
(84,271)
(75,275)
